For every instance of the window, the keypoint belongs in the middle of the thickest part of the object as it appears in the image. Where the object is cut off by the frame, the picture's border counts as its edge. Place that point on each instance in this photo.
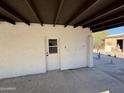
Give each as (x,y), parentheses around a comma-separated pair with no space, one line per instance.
(53,46)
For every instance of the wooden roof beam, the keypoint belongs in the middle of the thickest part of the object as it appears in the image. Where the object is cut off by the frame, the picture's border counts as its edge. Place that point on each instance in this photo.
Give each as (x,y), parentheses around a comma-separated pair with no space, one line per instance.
(110,20)
(80,11)
(58,12)
(117,21)
(114,3)
(88,23)
(9,20)
(11,11)
(34,10)
(86,11)
(108,27)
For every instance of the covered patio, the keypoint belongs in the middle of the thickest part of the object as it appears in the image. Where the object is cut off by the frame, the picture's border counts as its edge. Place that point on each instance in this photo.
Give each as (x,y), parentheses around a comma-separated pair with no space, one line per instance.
(38,36)
(94,14)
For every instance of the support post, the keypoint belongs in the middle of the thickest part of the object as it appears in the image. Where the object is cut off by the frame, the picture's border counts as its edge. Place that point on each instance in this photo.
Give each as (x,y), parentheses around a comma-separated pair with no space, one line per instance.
(90,50)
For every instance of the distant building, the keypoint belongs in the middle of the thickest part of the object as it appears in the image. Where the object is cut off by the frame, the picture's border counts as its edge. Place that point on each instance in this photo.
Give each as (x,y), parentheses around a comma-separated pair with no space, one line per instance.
(114,43)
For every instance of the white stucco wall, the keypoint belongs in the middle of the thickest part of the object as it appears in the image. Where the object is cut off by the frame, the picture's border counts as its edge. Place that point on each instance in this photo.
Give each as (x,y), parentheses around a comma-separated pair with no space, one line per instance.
(22,48)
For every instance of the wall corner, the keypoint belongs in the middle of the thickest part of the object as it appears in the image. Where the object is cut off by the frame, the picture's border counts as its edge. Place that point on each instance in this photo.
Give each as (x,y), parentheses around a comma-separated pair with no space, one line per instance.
(90,51)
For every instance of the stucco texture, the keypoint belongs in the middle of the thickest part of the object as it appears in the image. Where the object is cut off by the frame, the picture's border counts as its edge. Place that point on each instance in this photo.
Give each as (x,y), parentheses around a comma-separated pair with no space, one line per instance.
(22,48)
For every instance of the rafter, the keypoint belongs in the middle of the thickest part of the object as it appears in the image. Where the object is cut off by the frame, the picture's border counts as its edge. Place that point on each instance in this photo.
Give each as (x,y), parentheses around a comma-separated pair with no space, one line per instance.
(5,18)
(117,21)
(113,3)
(87,11)
(11,11)
(108,27)
(34,10)
(58,11)
(88,23)
(110,20)
(80,11)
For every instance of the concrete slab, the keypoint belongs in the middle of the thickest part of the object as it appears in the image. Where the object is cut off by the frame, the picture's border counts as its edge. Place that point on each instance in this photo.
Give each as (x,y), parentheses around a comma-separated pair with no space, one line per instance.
(103,78)
(84,80)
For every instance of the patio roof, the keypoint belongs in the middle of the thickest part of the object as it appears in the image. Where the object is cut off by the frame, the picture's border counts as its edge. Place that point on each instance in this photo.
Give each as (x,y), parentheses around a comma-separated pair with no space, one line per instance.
(95,14)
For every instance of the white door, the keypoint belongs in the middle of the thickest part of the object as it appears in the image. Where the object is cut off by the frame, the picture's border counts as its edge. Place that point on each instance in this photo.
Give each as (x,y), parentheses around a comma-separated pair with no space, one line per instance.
(52,54)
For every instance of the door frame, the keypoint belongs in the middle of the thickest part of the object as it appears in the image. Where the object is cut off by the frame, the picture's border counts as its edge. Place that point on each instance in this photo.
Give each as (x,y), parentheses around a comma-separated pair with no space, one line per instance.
(46,50)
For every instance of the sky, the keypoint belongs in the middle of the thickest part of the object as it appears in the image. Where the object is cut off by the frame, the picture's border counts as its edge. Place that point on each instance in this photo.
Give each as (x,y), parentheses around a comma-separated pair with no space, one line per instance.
(117,30)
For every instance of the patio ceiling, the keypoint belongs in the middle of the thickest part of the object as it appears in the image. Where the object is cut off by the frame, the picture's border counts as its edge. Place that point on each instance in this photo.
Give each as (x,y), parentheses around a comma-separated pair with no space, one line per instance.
(96,14)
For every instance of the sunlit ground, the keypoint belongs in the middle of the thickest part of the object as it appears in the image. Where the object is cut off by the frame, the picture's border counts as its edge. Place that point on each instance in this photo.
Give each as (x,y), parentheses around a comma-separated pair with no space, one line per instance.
(107,91)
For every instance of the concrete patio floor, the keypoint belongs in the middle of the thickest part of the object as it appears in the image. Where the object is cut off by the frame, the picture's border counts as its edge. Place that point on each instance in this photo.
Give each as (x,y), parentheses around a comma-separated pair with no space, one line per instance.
(84,80)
